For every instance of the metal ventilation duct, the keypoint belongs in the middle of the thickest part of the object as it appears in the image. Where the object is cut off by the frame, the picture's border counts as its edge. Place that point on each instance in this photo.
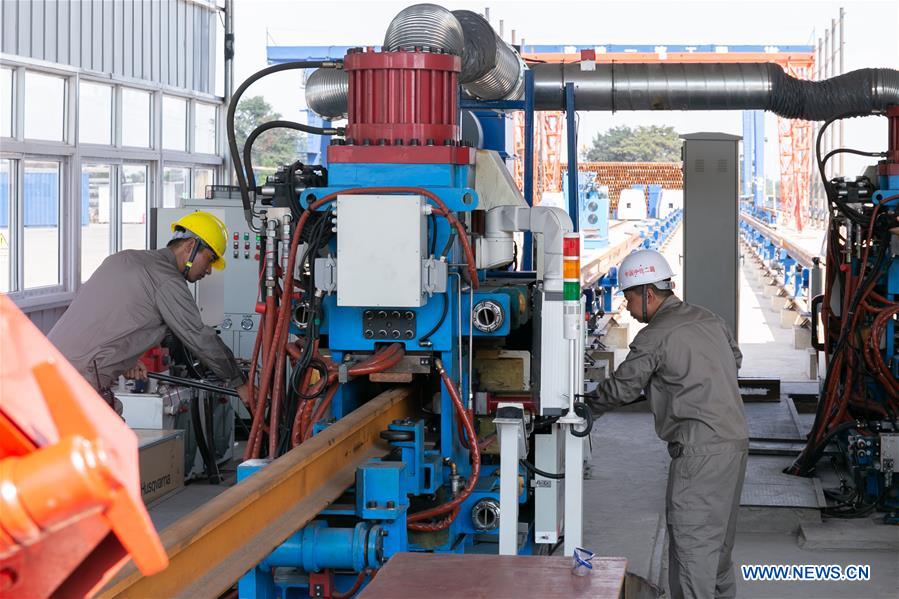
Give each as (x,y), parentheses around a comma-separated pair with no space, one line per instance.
(425,26)
(752,86)
(326,93)
(491,69)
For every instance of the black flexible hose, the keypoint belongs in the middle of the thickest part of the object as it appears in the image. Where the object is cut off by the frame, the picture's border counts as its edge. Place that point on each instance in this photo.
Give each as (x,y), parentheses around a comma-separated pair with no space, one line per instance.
(432,221)
(534,470)
(449,243)
(251,139)
(177,380)
(211,467)
(424,339)
(229,120)
(833,153)
(584,412)
(209,427)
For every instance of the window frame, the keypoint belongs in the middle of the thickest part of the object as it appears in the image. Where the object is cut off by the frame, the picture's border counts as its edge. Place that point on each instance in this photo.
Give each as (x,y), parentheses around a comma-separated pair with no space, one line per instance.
(113,117)
(72,154)
(64,234)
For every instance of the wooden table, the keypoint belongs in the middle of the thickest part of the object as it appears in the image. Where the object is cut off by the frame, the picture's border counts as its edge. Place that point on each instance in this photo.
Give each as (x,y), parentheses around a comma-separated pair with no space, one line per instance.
(468,576)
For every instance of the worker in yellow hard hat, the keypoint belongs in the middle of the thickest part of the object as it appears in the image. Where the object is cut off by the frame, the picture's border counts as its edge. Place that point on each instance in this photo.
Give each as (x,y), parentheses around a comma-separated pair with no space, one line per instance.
(136,297)
(208,252)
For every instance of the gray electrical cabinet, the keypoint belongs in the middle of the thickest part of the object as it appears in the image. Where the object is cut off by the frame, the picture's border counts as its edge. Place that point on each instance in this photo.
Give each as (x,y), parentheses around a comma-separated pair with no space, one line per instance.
(711,204)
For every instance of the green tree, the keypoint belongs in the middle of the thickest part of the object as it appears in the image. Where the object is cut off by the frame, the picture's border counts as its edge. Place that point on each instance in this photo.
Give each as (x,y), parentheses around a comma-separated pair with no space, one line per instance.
(643,144)
(274,147)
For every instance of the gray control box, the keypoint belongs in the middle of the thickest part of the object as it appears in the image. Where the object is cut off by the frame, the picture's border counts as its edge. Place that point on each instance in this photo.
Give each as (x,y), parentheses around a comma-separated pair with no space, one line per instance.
(381,240)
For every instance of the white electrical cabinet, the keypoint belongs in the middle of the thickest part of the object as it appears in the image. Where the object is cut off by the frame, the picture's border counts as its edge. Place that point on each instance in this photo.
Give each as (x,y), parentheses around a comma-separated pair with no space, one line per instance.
(381,240)
(551,360)
(549,494)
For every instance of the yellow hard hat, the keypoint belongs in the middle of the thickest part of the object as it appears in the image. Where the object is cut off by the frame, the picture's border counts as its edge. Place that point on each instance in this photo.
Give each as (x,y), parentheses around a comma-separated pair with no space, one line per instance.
(210,230)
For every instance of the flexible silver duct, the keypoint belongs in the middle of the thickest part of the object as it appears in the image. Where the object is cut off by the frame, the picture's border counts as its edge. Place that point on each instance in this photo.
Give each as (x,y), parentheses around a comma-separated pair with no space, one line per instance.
(326,93)
(505,81)
(491,69)
(753,86)
(425,26)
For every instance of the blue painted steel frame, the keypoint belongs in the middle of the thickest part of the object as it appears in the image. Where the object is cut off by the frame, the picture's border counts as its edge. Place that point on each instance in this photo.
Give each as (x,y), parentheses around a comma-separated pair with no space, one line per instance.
(571,136)
(527,105)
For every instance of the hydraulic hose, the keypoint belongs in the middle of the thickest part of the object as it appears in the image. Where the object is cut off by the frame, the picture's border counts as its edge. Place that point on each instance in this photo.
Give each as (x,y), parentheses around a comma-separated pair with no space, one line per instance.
(379,362)
(206,452)
(254,360)
(177,380)
(451,506)
(584,412)
(251,139)
(277,345)
(229,121)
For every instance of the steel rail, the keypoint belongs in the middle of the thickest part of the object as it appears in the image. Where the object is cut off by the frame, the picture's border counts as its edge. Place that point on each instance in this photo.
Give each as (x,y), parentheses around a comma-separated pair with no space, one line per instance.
(212,547)
(797,253)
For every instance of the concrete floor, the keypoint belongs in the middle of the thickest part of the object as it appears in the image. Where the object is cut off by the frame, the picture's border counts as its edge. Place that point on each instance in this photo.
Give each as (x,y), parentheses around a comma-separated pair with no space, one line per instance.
(625,490)
(624,499)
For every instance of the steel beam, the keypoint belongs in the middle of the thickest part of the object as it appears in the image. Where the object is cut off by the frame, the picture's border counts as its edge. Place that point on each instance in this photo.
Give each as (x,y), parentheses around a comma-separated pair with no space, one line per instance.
(592,270)
(212,547)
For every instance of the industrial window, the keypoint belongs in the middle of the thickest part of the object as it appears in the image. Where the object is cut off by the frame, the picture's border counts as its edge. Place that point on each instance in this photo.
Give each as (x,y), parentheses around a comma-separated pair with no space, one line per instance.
(136,120)
(204,128)
(95,113)
(113,212)
(6,102)
(7,201)
(45,107)
(133,212)
(175,186)
(202,178)
(174,123)
(40,220)
(97,203)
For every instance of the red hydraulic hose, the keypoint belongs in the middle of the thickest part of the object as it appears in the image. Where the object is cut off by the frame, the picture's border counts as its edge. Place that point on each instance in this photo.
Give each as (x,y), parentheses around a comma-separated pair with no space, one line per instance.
(452,505)
(380,362)
(255,444)
(278,342)
(356,585)
(274,413)
(320,410)
(251,378)
(390,358)
(255,438)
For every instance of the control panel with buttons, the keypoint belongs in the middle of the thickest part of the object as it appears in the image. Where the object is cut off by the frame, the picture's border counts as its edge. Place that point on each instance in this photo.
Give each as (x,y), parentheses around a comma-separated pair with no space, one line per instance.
(246,243)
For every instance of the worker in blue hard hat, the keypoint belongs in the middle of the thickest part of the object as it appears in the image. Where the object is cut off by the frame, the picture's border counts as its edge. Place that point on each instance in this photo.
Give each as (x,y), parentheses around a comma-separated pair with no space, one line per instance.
(686,360)
(135,297)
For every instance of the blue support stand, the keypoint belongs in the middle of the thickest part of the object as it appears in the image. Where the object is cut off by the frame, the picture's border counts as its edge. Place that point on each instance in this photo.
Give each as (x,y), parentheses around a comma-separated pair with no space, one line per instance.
(571,135)
(528,259)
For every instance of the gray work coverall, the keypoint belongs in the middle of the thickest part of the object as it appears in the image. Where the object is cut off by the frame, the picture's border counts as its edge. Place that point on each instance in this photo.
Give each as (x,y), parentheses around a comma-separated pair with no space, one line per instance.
(125,308)
(686,360)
